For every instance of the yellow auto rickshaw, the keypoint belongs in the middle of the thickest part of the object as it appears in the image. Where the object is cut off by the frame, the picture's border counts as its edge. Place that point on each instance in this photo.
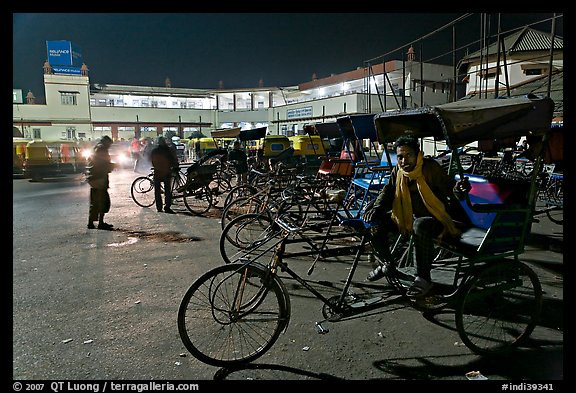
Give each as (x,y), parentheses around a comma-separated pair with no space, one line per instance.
(18,154)
(309,148)
(274,144)
(201,146)
(41,160)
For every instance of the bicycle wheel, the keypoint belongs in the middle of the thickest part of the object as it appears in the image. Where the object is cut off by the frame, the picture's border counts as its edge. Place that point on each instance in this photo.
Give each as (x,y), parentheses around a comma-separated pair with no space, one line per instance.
(499,307)
(142,191)
(219,188)
(198,201)
(239,191)
(233,314)
(240,206)
(556,214)
(248,237)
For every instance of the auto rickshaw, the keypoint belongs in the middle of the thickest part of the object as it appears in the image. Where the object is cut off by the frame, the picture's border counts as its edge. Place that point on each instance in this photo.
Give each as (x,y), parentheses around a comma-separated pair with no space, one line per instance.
(274,145)
(309,148)
(18,154)
(202,146)
(41,160)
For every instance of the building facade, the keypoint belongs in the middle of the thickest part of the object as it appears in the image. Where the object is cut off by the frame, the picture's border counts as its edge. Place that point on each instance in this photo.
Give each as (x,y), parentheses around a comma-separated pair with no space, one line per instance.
(77,110)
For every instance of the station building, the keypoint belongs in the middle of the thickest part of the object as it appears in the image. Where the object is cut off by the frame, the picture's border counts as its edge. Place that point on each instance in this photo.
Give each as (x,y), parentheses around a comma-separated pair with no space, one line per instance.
(78,110)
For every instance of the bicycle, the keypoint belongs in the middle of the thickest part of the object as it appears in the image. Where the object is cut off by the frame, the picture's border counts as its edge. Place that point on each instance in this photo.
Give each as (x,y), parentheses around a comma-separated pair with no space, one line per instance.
(551,194)
(234,313)
(194,190)
(142,188)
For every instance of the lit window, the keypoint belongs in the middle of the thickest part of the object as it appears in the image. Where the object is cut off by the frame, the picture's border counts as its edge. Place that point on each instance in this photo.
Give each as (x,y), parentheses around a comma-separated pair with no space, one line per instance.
(68,98)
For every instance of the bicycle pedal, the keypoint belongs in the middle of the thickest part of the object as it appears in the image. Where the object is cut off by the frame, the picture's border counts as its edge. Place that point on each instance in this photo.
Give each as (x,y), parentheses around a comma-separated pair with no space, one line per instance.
(320,329)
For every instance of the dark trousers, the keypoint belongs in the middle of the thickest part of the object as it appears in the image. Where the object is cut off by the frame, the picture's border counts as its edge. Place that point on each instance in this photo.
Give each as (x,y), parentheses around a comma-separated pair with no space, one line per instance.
(99,203)
(424,231)
(167,182)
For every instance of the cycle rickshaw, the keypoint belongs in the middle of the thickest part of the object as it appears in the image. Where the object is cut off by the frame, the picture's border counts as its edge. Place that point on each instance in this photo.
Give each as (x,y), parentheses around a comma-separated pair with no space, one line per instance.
(234,313)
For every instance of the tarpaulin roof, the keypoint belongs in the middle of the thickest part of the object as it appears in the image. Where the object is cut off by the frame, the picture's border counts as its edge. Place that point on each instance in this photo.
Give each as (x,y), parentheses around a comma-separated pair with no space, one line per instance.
(253,134)
(362,125)
(328,130)
(466,121)
(226,133)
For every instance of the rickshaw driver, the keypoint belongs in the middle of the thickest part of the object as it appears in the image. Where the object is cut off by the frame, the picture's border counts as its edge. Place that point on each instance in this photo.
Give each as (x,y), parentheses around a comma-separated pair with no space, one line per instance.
(414,199)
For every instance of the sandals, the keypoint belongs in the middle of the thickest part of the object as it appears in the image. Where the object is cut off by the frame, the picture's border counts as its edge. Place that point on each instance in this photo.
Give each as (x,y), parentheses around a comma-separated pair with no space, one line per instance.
(105,226)
(380,271)
(420,287)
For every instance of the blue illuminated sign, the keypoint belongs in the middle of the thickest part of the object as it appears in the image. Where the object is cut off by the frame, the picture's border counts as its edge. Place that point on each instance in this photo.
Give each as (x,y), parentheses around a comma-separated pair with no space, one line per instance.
(64,53)
(66,70)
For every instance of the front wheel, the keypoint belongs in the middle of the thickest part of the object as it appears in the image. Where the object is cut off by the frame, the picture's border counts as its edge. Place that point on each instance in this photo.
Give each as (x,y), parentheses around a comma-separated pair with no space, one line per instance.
(233,314)
(142,191)
(499,307)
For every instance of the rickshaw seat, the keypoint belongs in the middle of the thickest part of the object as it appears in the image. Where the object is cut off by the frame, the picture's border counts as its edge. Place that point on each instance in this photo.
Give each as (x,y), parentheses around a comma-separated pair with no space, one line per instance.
(506,235)
(341,166)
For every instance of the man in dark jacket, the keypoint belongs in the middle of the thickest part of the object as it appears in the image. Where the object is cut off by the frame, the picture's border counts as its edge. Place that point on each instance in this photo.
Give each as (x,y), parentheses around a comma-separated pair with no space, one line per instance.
(240,161)
(165,162)
(99,165)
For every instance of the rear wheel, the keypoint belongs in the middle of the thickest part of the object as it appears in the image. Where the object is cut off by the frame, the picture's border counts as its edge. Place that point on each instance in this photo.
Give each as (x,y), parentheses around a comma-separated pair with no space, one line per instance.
(219,188)
(241,206)
(499,307)
(239,191)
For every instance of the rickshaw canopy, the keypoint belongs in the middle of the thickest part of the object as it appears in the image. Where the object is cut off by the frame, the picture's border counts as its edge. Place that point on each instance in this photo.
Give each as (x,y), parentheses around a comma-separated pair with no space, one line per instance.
(327,130)
(466,121)
(253,134)
(226,133)
(359,125)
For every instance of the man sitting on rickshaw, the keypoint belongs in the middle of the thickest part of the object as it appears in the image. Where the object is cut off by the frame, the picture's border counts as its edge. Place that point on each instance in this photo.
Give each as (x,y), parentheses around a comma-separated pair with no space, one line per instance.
(417,195)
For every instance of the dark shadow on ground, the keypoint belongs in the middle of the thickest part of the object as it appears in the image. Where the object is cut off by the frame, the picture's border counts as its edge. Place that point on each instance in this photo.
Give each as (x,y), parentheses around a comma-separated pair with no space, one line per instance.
(530,364)
(269,372)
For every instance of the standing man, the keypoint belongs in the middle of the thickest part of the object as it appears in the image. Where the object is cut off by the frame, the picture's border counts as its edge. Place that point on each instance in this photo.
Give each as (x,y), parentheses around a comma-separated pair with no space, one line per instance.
(240,161)
(135,152)
(164,162)
(99,166)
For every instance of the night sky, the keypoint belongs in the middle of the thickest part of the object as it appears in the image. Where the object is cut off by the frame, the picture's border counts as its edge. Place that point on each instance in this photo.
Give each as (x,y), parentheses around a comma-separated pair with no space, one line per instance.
(197,50)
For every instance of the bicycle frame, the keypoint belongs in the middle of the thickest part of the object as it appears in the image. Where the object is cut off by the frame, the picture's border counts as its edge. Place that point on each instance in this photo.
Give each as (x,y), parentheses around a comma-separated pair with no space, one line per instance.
(278,262)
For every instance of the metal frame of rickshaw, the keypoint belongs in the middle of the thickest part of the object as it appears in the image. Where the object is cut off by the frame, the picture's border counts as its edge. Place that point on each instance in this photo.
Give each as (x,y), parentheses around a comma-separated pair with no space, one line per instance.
(498,298)
(479,259)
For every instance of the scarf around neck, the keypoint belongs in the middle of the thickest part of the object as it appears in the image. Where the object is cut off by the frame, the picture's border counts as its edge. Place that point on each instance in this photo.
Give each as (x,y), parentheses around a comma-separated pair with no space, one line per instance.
(402,204)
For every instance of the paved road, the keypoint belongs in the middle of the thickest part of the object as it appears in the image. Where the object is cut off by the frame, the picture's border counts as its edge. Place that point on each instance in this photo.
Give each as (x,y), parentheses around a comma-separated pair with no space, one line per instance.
(90,304)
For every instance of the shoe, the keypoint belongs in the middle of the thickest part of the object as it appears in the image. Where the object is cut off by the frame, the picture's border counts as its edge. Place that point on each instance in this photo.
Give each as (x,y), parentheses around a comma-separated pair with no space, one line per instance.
(159,210)
(420,287)
(91,225)
(169,211)
(105,226)
(381,271)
